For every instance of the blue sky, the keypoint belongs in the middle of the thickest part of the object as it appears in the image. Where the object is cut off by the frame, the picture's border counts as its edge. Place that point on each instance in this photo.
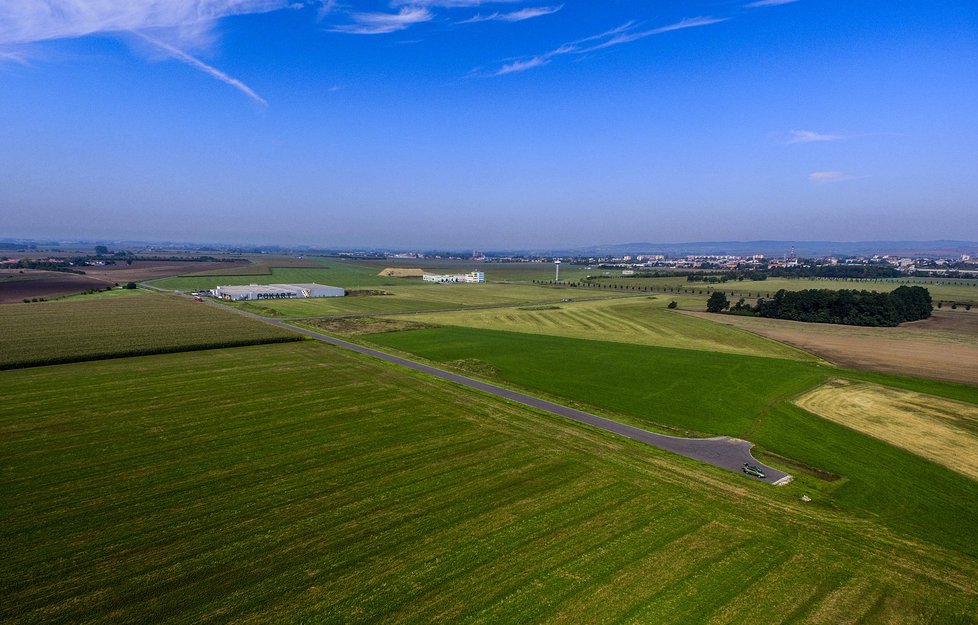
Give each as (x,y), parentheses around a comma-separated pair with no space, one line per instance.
(468,124)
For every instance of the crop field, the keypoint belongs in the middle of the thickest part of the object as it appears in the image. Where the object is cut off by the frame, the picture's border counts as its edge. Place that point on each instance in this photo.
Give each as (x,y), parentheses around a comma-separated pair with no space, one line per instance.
(736,395)
(693,391)
(67,331)
(259,264)
(270,275)
(299,483)
(495,272)
(947,290)
(351,327)
(113,293)
(944,347)
(16,286)
(141,270)
(334,273)
(635,320)
(964,291)
(939,429)
(355,274)
(415,297)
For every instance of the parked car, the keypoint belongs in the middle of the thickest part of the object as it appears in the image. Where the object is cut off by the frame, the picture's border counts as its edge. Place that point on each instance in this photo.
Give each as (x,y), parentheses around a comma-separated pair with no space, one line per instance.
(753,470)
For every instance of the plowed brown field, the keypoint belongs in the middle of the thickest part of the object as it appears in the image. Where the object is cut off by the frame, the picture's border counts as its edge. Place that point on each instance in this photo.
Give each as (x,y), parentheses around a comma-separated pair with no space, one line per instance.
(153,269)
(944,347)
(16,286)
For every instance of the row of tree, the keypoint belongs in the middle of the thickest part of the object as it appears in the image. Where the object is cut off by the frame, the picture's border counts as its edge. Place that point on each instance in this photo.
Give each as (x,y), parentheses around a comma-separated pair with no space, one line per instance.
(847,307)
(863,272)
(714,278)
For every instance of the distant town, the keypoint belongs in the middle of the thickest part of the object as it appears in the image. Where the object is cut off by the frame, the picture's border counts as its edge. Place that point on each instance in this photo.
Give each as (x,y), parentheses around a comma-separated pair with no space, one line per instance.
(74,256)
(964,265)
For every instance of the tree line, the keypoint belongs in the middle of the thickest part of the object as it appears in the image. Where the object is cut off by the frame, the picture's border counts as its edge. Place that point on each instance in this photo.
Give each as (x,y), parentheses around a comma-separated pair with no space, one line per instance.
(846,307)
(860,272)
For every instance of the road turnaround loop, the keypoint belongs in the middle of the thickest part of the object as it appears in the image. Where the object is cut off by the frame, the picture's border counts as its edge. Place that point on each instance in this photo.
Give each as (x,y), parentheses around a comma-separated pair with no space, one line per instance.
(721,451)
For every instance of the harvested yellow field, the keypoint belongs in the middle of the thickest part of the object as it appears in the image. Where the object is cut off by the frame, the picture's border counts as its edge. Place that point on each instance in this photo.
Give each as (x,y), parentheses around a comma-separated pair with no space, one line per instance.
(402,272)
(942,430)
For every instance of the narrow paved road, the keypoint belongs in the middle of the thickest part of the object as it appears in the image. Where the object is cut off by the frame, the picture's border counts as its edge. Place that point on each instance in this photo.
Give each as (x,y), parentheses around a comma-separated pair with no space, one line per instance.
(721,451)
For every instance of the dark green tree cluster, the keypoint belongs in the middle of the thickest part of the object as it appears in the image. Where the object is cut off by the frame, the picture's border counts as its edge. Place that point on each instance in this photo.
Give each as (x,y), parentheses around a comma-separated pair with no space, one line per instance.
(715,278)
(849,307)
(718,302)
(913,302)
(44,264)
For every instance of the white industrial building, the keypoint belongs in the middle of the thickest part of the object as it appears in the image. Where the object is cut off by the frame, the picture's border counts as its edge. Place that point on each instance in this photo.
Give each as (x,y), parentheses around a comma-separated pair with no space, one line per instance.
(276,291)
(471,278)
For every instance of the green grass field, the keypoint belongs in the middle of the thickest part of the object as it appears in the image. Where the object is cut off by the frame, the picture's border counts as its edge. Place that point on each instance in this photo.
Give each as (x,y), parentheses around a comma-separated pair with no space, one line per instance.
(297,483)
(337,273)
(634,320)
(741,396)
(495,272)
(105,326)
(358,273)
(261,264)
(945,289)
(416,297)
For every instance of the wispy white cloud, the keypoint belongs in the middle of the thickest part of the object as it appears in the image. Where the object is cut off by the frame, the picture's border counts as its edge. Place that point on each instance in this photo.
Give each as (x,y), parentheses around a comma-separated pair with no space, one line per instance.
(767,3)
(381,23)
(513,16)
(608,33)
(521,66)
(170,26)
(827,177)
(810,136)
(630,36)
(196,63)
(626,33)
(449,4)
(28,21)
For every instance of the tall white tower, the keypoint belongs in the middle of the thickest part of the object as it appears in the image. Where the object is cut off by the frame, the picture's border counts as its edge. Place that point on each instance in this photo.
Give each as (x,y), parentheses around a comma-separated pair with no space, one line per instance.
(557,270)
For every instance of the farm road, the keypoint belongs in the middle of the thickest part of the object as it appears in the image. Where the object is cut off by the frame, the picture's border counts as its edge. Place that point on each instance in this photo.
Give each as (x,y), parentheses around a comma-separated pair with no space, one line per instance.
(721,451)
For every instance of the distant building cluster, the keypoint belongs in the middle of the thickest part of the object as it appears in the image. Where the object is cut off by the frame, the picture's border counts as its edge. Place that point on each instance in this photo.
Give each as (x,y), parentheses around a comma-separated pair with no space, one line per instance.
(275,291)
(963,265)
(474,277)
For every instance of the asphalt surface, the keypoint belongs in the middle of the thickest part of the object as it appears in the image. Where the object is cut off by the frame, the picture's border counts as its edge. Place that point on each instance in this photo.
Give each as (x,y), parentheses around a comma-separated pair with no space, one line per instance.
(721,451)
